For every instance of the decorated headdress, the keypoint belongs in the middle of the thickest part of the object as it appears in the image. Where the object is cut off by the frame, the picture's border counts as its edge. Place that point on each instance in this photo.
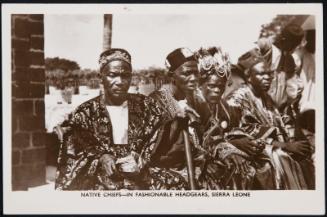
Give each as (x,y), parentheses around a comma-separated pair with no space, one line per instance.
(114,54)
(178,57)
(213,60)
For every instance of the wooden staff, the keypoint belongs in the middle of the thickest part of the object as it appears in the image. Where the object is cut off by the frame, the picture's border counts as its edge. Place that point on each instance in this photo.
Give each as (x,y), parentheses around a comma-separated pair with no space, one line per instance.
(189,161)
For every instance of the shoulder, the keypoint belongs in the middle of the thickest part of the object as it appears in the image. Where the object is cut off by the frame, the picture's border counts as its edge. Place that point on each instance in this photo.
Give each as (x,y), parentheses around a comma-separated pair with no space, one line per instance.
(82,112)
(136,97)
(160,94)
(141,100)
(237,96)
(89,104)
(163,97)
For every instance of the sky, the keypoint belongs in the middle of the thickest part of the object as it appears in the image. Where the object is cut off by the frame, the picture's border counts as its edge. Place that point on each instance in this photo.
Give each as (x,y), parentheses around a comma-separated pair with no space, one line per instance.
(149,37)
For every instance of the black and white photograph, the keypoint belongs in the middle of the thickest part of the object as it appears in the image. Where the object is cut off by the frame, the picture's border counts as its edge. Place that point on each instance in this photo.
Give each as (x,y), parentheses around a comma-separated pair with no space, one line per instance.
(213,103)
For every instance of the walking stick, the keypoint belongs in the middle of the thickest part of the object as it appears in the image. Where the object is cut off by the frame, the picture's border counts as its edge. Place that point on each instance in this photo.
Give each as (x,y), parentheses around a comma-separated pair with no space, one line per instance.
(189,160)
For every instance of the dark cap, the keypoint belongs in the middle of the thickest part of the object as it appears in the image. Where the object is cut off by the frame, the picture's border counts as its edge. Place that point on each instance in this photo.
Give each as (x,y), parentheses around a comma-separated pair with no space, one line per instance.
(178,57)
(291,36)
(249,59)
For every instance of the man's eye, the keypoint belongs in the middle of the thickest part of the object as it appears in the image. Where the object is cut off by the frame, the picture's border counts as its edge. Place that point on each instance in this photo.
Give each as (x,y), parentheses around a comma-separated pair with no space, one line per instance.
(126,75)
(185,74)
(188,73)
(111,74)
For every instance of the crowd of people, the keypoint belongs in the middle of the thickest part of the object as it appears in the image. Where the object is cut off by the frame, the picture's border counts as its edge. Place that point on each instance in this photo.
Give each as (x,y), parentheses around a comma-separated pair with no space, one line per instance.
(218,126)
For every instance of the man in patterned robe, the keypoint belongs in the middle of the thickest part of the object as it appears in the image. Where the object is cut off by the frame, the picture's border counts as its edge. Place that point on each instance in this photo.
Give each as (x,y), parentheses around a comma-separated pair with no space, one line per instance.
(178,102)
(259,118)
(107,141)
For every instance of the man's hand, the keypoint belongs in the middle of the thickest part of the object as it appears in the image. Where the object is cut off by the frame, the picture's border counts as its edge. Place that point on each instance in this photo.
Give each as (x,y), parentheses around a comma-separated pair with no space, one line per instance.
(248,146)
(240,164)
(108,163)
(298,147)
(187,111)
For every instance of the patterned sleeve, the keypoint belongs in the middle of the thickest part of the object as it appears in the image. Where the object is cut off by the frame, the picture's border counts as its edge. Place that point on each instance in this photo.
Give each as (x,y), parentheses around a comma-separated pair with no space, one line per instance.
(79,153)
(155,117)
(246,118)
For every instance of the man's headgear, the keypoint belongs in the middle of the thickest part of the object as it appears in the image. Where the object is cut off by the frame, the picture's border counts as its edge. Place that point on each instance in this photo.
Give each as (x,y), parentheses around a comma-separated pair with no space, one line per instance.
(114,54)
(249,59)
(213,60)
(290,37)
(178,57)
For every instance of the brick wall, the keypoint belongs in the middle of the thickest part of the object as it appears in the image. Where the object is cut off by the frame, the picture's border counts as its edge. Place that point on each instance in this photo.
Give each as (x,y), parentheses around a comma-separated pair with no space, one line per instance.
(28,89)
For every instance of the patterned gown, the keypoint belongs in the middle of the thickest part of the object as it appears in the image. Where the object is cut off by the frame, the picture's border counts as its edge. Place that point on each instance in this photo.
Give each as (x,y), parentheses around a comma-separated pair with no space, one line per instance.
(259,119)
(169,159)
(89,136)
(209,147)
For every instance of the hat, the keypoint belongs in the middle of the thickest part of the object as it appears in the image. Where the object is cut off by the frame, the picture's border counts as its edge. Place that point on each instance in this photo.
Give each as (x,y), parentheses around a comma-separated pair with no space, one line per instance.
(250,58)
(291,36)
(178,57)
(114,54)
(237,70)
(213,60)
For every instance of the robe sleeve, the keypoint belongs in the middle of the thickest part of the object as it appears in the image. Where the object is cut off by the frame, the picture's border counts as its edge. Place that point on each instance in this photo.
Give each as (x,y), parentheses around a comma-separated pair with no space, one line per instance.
(155,118)
(80,150)
(245,119)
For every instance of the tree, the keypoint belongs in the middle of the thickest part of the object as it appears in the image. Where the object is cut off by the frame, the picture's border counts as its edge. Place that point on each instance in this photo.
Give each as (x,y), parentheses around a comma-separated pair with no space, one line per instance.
(278,23)
(60,63)
(107,31)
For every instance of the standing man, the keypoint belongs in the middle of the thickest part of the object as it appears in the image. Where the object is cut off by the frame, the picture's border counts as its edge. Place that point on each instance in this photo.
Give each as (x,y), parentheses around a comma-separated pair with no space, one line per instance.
(108,139)
(286,85)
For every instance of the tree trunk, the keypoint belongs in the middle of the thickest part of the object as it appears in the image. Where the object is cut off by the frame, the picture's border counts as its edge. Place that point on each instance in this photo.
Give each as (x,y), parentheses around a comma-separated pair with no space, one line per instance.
(107,31)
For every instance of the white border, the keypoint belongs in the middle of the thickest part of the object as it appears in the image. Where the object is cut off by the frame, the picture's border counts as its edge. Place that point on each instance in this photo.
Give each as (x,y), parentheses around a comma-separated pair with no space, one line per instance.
(261,202)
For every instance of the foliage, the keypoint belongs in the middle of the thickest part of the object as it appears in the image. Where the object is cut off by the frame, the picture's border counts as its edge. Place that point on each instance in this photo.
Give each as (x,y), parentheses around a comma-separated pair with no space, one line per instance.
(61,63)
(62,72)
(273,29)
(151,75)
(60,78)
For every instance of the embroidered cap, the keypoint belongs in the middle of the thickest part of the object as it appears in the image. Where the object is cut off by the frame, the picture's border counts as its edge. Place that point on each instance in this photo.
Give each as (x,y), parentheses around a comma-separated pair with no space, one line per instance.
(114,54)
(178,57)
(250,58)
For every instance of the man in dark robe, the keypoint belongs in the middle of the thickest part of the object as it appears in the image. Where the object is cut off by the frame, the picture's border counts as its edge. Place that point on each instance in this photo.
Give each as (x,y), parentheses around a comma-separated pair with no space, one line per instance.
(177,100)
(258,117)
(107,141)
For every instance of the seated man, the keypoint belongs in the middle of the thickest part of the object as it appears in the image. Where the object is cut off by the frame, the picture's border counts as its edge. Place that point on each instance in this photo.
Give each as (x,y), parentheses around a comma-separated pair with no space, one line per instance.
(226,165)
(258,116)
(108,139)
(177,100)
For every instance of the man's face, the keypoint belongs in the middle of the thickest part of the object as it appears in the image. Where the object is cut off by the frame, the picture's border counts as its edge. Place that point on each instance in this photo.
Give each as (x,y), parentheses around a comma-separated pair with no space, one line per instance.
(186,76)
(261,76)
(213,88)
(116,77)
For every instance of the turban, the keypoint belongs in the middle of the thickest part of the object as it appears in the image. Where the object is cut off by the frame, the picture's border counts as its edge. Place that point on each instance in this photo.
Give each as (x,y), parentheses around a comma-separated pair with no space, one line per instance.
(178,57)
(114,54)
(250,59)
(213,60)
(291,36)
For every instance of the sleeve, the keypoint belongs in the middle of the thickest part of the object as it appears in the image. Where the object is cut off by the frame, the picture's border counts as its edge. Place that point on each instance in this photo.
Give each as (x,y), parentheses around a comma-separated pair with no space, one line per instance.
(165,144)
(245,120)
(79,153)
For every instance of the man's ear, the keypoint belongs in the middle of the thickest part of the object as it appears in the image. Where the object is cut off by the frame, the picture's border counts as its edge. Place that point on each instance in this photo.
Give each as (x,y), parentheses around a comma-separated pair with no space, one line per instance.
(249,75)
